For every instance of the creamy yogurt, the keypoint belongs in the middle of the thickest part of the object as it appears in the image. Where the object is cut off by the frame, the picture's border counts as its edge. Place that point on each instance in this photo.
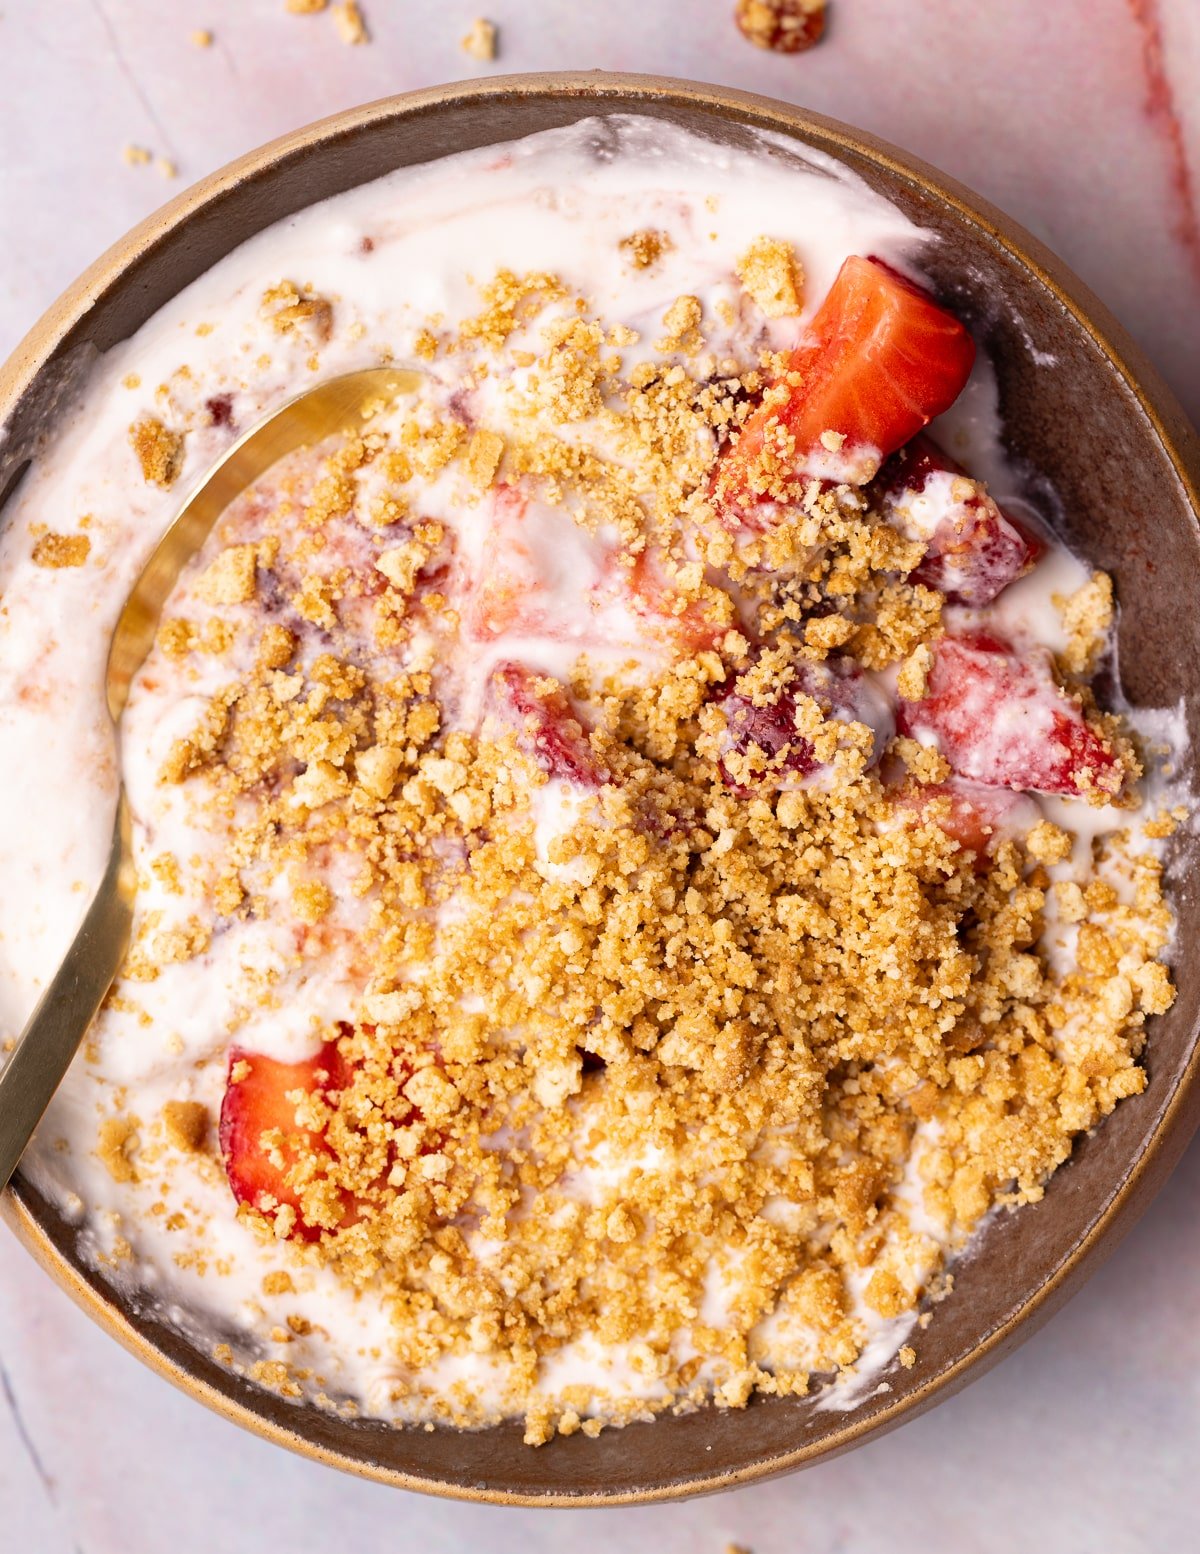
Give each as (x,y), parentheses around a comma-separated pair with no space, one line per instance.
(389,255)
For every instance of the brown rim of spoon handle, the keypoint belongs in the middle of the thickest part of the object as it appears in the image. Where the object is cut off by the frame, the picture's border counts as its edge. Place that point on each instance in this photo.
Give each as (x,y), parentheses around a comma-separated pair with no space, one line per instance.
(65,1010)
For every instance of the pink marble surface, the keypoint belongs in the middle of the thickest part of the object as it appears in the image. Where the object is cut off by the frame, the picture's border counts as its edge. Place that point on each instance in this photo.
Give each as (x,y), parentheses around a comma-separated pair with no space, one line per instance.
(1081,118)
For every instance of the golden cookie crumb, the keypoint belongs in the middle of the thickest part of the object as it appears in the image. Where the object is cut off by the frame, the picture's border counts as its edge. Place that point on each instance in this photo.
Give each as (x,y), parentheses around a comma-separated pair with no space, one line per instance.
(159,451)
(349,22)
(645,248)
(484,453)
(230,579)
(61,550)
(771,275)
(480,40)
(782,26)
(116,1144)
(186,1124)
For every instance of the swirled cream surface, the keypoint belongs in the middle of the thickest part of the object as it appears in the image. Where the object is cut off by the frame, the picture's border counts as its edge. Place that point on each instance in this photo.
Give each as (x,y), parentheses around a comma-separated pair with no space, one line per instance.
(624,885)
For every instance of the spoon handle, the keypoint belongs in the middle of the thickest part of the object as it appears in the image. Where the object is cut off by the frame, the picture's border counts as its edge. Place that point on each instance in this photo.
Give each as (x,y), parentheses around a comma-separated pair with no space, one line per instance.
(56,1028)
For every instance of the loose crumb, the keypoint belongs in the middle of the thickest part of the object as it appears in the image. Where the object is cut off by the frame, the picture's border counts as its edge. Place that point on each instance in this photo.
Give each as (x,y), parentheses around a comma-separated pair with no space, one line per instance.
(116,1144)
(349,22)
(771,275)
(61,550)
(645,248)
(480,41)
(159,451)
(782,26)
(186,1124)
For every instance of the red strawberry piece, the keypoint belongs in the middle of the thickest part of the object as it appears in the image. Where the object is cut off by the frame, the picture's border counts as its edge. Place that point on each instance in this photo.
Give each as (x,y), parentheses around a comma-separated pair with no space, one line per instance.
(261,1140)
(1002,719)
(879,360)
(841,690)
(973,549)
(547,727)
(509,595)
(783,26)
(976,817)
(662,605)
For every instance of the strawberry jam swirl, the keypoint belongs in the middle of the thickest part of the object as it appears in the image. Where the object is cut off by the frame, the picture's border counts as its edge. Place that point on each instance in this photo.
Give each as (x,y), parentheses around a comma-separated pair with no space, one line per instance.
(634,866)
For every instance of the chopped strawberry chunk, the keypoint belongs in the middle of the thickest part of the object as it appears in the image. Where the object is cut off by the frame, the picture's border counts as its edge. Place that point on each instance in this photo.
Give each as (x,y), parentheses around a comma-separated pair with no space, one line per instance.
(1004,720)
(879,360)
(976,817)
(547,728)
(766,735)
(691,622)
(262,1143)
(973,550)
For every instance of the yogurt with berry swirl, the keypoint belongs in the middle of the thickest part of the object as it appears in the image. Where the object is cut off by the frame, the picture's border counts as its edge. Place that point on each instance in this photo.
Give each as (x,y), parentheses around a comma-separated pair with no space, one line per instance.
(632,866)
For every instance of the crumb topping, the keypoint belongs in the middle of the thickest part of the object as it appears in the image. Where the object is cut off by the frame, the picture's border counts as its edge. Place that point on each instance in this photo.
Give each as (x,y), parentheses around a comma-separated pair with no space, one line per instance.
(158,449)
(61,550)
(683,1056)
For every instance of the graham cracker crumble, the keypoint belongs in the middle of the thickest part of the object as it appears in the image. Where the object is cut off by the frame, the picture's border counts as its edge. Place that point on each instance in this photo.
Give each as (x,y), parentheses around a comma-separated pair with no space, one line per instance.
(116,1144)
(480,40)
(645,248)
(772,276)
(753,1013)
(186,1124)
(349,22)
(159,451)
(295,311)
(782,26)
(61,550)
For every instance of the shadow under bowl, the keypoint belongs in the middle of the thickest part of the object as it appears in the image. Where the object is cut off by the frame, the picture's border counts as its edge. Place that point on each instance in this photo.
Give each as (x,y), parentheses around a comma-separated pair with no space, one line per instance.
(1078,404)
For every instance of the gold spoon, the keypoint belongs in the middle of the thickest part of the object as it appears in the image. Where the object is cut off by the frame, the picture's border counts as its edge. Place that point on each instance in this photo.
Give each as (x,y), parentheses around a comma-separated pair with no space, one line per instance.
(56,1027)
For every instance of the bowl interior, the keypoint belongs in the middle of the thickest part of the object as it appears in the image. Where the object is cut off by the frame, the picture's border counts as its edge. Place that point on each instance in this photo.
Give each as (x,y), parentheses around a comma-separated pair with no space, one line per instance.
(1070,411)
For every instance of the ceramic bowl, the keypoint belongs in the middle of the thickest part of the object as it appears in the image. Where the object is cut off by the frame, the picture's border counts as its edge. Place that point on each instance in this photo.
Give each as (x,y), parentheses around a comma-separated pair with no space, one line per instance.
(1078,403)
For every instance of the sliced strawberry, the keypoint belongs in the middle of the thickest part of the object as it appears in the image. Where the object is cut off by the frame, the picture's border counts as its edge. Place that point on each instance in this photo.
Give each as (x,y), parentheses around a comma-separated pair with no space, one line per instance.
(767,736)
(880,359)
(973,550)
(691,622)
(547,728)
(256,1108)
(976,817)
(1003,719)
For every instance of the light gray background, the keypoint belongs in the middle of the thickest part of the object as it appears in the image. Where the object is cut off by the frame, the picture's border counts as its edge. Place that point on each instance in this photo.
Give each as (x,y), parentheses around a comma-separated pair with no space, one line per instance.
(1081,118)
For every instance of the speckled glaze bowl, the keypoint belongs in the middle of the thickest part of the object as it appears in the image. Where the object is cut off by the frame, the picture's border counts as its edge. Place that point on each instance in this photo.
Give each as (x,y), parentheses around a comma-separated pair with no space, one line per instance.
(1078,403)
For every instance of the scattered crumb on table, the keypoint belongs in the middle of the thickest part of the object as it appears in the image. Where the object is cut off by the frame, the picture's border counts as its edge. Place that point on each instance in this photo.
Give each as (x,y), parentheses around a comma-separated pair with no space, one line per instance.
(480,41)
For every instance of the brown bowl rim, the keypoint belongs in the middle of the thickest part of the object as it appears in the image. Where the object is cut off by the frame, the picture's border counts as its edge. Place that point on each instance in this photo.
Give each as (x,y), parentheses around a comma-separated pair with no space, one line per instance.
(1160,1150)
